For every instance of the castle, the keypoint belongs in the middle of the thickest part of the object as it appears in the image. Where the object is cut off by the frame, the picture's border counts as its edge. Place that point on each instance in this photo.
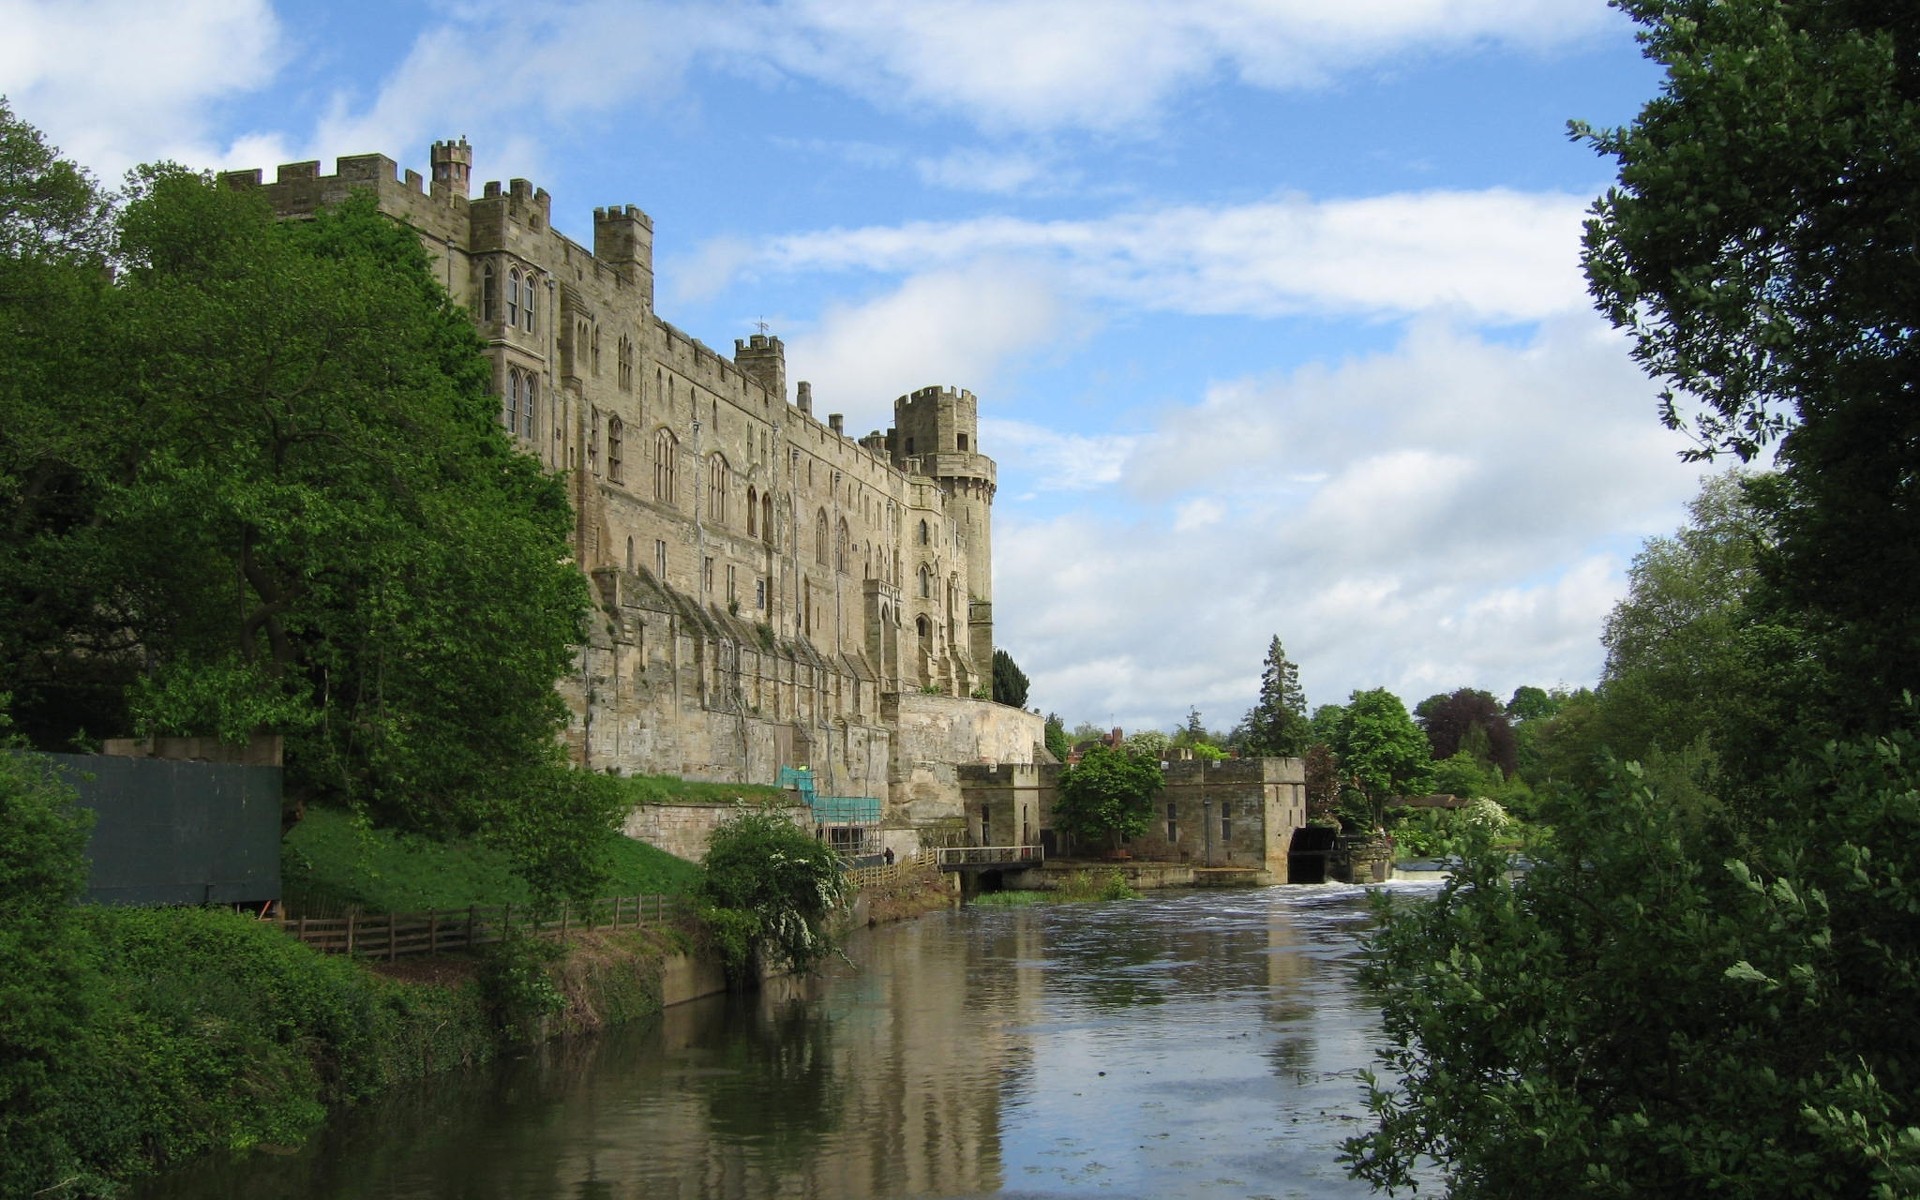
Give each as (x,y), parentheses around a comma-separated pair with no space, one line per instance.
(771,593)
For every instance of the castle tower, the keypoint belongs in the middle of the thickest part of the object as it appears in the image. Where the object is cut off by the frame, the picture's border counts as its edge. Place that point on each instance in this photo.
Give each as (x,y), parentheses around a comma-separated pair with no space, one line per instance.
(937,433)
(764,360)
(623,239)
(452,168)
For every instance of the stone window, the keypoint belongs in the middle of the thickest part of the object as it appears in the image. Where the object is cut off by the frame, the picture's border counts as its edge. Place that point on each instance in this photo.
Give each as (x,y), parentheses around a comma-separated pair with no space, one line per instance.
(706,574)
(660,559)
(489,294)
(840,542)
(1173,822)
(732,593)
(629,555)
(909,445)
(594,339)
(625,363)
(532,398)
(820,537)
(766,518)
(1226,820)
(593,443)
(665,451)
(963,441)
(753,512)
(510,406)
(513,296)
(616,448)
(526,304)
(926,583)
(923,533)
(760,594)
(717,489)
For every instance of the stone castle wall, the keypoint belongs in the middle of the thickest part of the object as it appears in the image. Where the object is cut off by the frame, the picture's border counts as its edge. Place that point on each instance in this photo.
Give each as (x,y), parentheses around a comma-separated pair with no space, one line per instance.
(764,582)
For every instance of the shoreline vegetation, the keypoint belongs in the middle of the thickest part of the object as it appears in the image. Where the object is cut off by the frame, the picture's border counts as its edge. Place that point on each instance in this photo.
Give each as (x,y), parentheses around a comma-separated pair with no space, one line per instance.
(142,1038)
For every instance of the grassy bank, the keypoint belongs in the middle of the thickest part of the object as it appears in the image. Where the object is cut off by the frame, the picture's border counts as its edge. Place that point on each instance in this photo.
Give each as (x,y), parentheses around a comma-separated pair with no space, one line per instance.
(331,861)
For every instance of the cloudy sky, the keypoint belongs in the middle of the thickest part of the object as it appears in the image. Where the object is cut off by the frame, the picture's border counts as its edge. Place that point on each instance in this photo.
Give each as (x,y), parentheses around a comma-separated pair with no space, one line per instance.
(1273,306)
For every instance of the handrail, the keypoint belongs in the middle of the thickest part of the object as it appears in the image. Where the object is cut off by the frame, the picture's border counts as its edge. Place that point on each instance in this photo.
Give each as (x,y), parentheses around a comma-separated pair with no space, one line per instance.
(954,857)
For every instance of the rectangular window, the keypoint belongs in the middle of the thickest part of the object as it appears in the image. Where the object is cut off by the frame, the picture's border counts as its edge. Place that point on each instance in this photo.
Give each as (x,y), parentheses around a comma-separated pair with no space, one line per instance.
(1173,822)
(731,594)
(760,594)
(963,441)
(660,560)
(1226,821)
(706,575)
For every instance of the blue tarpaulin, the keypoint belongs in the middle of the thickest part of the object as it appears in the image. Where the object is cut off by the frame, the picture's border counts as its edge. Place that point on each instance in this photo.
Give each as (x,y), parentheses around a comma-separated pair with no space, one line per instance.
(846,810)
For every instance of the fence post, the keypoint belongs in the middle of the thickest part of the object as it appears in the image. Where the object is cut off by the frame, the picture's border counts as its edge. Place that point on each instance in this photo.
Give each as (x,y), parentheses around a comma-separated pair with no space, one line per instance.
(433,933)
(352,917)
(393,921)
(470,913)
(302,935)
(566,910)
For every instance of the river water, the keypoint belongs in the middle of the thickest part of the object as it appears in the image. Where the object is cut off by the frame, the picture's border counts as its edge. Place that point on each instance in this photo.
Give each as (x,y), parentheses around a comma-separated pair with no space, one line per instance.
(1200,1044)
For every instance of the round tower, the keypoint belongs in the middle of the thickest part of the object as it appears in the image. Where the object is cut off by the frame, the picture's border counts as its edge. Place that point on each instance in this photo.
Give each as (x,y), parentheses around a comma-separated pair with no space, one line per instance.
(937,434)
(452,164)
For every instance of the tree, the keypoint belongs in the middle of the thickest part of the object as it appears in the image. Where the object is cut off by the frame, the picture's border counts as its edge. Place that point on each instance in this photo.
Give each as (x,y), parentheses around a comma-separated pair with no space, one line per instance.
(1056,736)
(1009,682)
(1277,724)
(1107,796)
(1381,750)
(257,481)
(1465,717)
(1758,250)
(771,888)
(44,988)
(1323,782)
(1531,703)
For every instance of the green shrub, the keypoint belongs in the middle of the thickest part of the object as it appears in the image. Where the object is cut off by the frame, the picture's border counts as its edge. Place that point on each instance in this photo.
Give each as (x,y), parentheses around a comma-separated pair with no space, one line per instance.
(517,987)
(780,885)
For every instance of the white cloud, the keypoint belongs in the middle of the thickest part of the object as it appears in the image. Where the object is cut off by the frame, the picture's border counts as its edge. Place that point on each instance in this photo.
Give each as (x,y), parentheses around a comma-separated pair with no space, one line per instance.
(1454,511)
(942,327)
(1492,255)
(118,82)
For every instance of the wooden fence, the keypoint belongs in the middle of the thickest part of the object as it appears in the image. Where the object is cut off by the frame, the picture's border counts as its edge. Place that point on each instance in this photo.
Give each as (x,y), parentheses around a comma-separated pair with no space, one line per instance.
(400,935)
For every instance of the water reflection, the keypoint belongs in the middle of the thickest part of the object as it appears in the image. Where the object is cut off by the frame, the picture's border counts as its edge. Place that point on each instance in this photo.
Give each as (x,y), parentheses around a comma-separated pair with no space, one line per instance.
(1197,1045)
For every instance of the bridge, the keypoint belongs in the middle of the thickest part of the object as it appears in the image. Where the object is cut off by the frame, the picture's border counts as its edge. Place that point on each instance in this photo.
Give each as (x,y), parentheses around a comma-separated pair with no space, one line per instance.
(988,858)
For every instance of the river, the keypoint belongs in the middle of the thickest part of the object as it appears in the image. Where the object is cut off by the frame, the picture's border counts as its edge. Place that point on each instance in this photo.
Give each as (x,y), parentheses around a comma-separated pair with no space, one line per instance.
(1196,1044)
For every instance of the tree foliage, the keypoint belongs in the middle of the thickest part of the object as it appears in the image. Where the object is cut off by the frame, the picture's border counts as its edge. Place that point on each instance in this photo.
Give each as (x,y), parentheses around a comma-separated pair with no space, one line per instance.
(1108,795)
(1055,732)
(1277,725)
(1009,681)
(1758,247)
(1451,720)
(1646,1014)
(257,481)
(1380,750)
(771,888)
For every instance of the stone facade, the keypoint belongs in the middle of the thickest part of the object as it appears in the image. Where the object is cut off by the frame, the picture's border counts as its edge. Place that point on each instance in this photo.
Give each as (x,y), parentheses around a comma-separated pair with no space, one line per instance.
(1241,813)
(770,591)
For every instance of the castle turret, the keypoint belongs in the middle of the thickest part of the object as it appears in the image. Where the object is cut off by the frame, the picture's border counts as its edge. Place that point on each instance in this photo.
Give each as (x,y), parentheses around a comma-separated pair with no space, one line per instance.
(763,359)
(937,433)
(452,168)
(623,239)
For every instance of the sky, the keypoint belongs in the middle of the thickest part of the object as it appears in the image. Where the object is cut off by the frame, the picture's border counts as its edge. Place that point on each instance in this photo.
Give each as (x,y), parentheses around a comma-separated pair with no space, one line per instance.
(1273,307)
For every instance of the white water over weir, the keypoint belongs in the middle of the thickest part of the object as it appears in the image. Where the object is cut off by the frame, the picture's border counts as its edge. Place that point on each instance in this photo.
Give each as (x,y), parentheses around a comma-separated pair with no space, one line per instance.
(1195,1045)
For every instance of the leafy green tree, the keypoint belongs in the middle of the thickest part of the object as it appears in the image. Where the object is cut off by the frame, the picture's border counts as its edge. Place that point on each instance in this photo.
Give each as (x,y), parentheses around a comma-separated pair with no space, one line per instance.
(1277,725)
(1646,1013)
(1530,703)
(1108,796)
(1009,681)
(45,979)
(1453,719)
(1758,248)
(1151,744)
(273,494)
(771,889)
(1381,751)
(1056,737)
(1679,664)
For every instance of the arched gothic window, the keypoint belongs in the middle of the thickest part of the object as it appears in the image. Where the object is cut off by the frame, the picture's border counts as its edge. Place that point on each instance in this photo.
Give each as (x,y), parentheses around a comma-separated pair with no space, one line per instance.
(753,512)
(820,538)
(717,489)
(625,363)
(489,294)
(510,401)
(841,537)
(513,296)
(923,533)
(526,311)
(926,583)
(766,518)
(665,451)
(616,448)
(530,393)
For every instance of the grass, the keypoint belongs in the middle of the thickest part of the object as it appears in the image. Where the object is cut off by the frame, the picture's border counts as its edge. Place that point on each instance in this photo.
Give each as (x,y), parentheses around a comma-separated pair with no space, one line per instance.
(665,789)
(331,861)
(1075,888)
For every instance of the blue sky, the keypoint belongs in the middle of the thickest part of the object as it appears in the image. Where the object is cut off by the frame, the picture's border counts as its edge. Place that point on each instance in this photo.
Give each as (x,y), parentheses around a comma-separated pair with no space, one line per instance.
(1273,306)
